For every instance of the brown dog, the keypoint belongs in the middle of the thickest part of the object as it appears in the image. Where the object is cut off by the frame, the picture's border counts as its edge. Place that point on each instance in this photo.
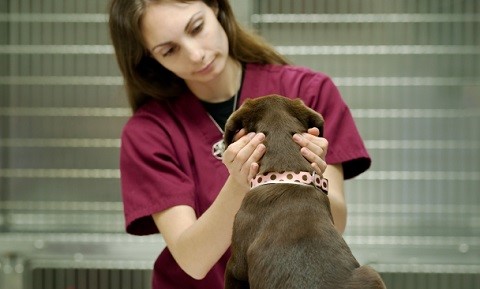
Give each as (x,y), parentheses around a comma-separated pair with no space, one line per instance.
(283,234)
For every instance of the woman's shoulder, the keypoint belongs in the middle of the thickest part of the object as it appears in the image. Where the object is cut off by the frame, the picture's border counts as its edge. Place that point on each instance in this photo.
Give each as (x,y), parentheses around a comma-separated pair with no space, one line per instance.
(286,76)
(151,115)
(284,71)
(288,80)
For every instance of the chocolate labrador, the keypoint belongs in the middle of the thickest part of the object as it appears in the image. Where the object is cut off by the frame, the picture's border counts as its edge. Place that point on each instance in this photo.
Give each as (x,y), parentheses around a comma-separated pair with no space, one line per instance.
(283,234)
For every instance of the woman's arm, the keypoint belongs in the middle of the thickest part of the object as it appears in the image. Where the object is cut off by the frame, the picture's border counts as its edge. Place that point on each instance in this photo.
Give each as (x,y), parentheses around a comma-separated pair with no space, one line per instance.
(197,244)
(336,195)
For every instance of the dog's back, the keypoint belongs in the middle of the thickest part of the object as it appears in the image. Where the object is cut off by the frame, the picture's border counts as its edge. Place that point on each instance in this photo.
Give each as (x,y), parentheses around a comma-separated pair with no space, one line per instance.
(283,234)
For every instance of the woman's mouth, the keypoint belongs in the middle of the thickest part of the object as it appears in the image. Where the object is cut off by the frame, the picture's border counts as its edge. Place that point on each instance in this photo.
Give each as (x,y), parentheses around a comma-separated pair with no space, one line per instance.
(206,69)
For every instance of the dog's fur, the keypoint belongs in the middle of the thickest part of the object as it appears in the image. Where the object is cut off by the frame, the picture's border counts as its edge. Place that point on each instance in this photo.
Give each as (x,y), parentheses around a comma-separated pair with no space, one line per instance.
(283,235)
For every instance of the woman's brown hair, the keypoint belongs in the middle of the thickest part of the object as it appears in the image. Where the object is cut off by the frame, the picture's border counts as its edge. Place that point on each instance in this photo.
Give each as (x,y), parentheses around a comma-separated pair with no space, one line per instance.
(144,77)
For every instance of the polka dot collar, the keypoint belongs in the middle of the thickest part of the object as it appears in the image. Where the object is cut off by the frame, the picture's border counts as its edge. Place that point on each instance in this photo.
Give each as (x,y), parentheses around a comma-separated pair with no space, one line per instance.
(298,178)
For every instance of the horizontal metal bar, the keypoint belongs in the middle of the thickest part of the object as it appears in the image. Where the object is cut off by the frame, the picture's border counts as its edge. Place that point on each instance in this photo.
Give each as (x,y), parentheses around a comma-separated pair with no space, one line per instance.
(78,262)
(54,17)
(61,173)
(352,208)
(370,175)
(61,206)
(65,111)
(420,175)
(83,249)
(340,81)
(125,112)
(63,223)
(396,208)
(38,240)
(287,50)
(61,80)
(364,18)
(125,264)
(422,144)
(260,18)
(61,142)
(56,49)
(380,50)
(406,81)
(68,218)
(413,240)
(415,113)
(104,251)
(427,268)
(413,223)
(115,143)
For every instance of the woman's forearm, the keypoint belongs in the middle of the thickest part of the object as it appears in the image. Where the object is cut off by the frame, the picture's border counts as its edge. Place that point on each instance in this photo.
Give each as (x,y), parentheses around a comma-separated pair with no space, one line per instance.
(197,244)
(336,195)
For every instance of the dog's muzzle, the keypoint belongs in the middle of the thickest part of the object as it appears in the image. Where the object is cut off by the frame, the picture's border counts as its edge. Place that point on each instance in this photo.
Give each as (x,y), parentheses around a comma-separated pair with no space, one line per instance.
(300,178)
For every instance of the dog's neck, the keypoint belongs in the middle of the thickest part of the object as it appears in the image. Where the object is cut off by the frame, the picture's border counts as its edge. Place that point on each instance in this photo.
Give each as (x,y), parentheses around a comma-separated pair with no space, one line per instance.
(297,178)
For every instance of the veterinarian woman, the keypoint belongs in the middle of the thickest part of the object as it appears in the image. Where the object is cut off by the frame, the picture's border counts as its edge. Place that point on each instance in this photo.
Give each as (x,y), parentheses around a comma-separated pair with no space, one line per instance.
(187,65)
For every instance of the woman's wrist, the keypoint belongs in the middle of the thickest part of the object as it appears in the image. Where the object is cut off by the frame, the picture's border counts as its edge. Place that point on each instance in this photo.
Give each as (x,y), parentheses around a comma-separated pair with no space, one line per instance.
(235,189)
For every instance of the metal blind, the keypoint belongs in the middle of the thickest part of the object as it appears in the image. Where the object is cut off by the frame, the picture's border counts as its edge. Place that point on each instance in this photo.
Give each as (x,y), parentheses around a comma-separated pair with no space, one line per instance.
(62,107)
(62,110)
(91,279)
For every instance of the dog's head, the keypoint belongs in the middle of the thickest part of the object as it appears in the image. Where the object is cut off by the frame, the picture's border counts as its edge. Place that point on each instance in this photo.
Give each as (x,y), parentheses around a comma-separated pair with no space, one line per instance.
(272,112)
(279,118)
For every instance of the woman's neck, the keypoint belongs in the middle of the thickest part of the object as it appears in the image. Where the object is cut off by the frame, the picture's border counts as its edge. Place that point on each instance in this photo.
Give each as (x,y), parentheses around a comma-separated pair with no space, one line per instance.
(222,88)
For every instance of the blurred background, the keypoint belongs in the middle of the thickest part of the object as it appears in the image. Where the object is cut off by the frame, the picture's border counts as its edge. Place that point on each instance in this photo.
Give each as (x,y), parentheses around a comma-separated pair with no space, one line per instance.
(409,70)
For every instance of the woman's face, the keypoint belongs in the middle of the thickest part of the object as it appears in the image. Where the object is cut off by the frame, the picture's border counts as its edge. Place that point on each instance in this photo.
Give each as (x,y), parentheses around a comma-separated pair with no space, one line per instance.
(186,38)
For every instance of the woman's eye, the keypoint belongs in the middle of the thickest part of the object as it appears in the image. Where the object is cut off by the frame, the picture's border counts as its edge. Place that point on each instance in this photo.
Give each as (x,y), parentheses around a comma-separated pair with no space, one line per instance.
(168,52)
(197,28)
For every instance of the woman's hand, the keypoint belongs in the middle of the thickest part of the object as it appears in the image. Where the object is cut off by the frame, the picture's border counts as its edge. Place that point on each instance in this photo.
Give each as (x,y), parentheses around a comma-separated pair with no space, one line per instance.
(241,157)
(314,148)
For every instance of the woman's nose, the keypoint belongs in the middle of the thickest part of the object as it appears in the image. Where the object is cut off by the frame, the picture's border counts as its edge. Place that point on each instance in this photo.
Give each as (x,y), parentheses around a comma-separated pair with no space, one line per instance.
(194,51)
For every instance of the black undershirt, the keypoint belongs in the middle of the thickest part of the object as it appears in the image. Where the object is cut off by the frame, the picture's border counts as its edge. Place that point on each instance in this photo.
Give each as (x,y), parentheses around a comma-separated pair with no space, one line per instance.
(220,111)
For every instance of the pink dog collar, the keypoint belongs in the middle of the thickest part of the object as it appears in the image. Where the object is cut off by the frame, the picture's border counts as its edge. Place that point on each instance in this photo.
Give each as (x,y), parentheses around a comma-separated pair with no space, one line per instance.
(300,178)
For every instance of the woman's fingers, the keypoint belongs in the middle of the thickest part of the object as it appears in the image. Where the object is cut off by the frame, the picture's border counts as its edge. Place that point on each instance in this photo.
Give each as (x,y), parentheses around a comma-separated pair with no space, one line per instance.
(317,163)
(241,157)
(314,131)
(314,148)
(239,134)
(244,146)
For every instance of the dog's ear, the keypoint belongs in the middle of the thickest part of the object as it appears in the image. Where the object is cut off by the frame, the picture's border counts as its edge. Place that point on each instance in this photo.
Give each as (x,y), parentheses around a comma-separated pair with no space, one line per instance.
(233,125)
(315,120)
(307,116)
(245,117)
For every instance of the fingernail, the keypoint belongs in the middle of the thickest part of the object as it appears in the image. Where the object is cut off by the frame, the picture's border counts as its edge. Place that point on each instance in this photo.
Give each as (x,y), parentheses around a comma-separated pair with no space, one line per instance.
(251,135)
(261,136)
